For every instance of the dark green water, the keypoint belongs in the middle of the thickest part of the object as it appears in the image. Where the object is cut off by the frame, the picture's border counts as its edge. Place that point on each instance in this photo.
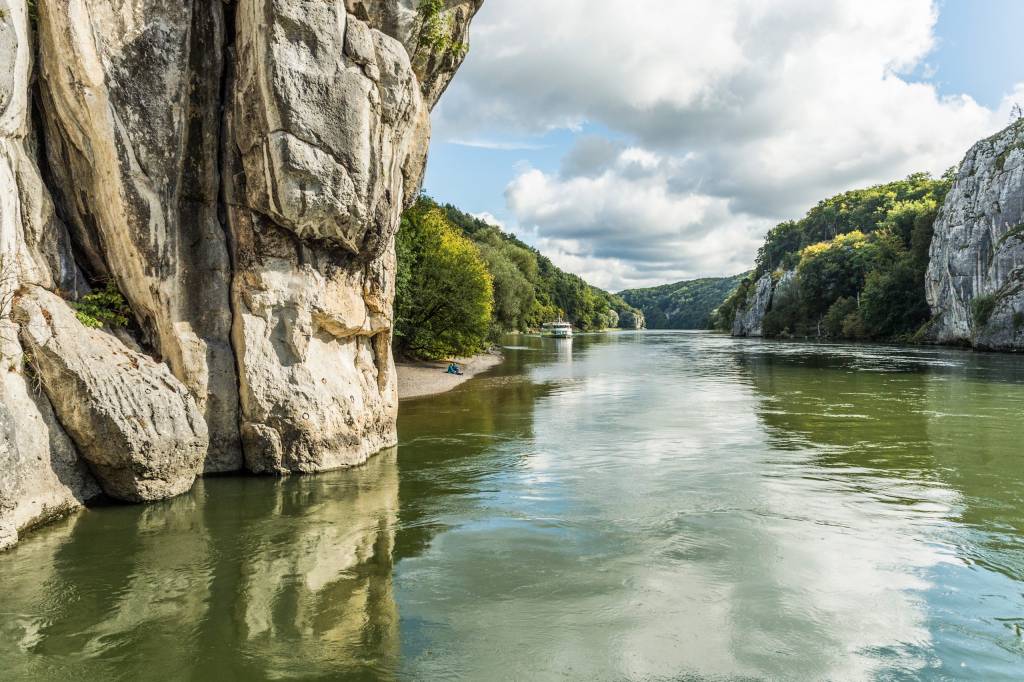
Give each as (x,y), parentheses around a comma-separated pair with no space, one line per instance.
(631,506)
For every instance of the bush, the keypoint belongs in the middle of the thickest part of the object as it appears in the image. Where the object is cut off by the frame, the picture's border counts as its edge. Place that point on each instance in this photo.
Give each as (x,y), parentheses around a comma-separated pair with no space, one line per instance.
(436,31)
(982,308)
(854,327)
(835,318)
(893,302)
(103,307)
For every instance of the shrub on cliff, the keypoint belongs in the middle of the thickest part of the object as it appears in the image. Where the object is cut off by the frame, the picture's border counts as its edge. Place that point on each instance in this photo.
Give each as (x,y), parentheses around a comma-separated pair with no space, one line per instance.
(444,294)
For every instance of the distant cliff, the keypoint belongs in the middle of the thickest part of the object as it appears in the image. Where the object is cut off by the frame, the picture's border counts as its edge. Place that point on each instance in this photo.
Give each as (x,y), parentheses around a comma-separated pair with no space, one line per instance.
(919,260)
(683,305)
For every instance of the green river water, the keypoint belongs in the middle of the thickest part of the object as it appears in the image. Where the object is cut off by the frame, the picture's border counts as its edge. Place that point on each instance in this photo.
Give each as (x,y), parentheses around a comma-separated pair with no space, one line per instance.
(630,506)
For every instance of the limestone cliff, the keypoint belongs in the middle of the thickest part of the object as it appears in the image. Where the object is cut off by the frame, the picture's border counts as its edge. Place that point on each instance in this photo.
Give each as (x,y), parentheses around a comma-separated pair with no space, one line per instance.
(749,320)
(975,280)
(237,170)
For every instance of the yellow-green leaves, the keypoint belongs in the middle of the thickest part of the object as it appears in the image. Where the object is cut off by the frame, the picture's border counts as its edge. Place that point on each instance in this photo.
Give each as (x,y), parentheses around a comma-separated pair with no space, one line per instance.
(445,295)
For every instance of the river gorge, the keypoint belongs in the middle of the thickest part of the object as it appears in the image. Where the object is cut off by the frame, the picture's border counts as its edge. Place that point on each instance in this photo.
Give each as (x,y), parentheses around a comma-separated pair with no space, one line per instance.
(633,505)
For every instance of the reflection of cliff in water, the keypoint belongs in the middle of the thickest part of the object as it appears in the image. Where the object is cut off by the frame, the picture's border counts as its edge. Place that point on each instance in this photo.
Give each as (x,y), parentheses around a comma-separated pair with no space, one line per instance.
(286,578)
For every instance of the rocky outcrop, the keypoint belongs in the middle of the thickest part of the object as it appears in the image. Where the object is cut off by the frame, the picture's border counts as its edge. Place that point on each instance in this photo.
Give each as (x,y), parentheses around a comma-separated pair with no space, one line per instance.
(975,278)
(41,475)
(133,422)
(131,94)
(749,320)
(629,319)
(326,111)
(237,171)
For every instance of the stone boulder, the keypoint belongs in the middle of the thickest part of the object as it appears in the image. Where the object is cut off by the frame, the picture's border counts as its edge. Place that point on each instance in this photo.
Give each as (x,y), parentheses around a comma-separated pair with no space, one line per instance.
(137,426)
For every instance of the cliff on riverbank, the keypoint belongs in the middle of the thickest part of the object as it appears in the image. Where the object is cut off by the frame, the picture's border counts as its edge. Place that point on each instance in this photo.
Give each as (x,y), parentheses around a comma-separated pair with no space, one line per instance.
(198,204)
(921,260)
(975,278)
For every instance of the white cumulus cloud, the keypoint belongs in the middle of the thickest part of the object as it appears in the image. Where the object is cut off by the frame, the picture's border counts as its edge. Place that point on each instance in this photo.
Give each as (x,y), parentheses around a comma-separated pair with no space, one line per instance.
(724,117)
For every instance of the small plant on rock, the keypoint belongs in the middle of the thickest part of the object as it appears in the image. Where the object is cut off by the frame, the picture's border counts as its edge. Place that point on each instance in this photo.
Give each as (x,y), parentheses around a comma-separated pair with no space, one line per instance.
(982,308)
(103,307)
(436,32)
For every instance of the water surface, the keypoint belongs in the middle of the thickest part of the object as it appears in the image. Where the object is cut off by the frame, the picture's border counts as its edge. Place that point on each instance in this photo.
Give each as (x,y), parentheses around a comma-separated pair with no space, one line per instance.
(650,505)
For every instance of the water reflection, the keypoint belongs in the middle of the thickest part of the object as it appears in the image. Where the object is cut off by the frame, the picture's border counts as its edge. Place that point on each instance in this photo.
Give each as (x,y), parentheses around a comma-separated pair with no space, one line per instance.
(641,506)
(242,579)
(908,461)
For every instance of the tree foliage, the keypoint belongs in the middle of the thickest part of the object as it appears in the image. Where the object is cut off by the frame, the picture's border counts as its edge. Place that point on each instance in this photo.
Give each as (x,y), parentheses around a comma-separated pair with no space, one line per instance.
(683,305)
(860,259)
(540,292)
(444,295)
(864,210)
(448,260)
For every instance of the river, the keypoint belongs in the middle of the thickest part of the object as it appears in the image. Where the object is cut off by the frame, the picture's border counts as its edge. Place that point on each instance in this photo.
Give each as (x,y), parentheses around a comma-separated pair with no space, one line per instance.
(650,505)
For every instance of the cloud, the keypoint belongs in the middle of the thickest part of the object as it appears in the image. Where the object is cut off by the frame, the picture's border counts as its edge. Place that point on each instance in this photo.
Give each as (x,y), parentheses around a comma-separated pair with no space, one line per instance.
(497,145)
(724,117)
(490,219)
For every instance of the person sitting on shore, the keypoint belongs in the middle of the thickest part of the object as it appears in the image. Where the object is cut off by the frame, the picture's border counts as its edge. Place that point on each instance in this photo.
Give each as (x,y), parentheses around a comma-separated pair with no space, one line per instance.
(454,369)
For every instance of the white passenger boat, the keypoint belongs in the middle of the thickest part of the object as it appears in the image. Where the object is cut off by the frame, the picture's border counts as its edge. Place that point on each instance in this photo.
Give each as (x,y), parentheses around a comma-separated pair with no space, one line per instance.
(559,330)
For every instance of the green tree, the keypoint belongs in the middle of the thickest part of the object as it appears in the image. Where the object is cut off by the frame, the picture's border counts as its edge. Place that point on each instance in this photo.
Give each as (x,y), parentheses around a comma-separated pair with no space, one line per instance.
(835,269)
(444,293)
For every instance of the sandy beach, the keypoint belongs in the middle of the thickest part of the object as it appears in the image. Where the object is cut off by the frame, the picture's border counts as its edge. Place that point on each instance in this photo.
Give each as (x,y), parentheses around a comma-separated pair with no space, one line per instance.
(417,379)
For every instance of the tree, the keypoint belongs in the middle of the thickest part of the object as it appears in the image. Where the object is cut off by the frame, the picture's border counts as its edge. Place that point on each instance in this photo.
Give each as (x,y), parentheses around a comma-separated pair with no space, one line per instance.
(893,302)
(444,293)
(835,269)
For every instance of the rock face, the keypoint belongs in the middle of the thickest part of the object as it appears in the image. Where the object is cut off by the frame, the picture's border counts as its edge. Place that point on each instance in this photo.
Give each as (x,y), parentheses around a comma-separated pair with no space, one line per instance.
(631,320)
(325,115)
(133,422)
(41,475)
(237,170)
(749,321)
(975,279)
(131,107)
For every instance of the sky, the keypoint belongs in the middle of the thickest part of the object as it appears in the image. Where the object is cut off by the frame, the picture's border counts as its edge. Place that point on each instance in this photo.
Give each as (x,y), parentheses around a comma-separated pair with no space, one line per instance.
(645,142)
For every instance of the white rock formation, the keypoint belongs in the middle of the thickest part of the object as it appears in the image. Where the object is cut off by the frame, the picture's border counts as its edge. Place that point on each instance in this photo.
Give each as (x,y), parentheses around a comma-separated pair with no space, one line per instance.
(136,425)
(977,250)
(238,171)
(41,475)
(131,102)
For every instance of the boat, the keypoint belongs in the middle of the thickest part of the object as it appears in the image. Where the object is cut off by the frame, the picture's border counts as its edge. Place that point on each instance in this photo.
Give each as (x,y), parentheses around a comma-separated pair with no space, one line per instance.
(559,329)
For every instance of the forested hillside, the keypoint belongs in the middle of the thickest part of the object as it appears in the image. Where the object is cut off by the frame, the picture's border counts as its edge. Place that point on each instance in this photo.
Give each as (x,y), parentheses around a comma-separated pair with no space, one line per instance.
(462,282)
(859,260)
(682,305)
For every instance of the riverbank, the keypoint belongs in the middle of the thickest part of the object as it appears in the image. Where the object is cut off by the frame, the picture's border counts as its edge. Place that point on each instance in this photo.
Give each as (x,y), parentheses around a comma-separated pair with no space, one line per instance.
(420,378)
